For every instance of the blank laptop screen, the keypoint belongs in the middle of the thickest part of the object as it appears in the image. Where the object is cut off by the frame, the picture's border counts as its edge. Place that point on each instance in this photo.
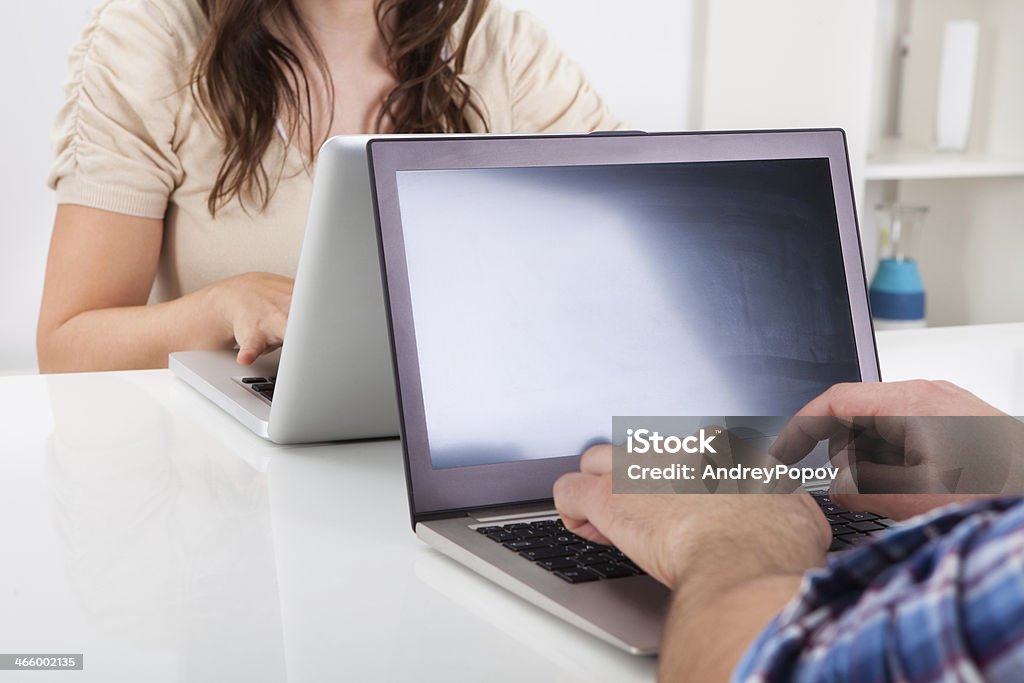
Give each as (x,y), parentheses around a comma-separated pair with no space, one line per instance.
(546,300)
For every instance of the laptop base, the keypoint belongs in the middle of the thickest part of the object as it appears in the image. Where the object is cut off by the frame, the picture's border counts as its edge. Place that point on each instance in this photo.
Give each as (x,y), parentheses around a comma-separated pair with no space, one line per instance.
(213,373)
(628,613)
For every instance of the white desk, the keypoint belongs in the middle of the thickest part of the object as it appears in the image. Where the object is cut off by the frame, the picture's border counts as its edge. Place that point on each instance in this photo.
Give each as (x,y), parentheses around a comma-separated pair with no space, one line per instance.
(142,527)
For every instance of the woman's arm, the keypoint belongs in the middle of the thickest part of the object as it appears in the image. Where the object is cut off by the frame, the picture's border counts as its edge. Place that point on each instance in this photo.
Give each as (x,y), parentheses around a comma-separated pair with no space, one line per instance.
(98,278)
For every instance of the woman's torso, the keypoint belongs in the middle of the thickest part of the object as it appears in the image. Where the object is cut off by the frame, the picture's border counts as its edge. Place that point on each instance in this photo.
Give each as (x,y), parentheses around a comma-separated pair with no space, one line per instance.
(510,66)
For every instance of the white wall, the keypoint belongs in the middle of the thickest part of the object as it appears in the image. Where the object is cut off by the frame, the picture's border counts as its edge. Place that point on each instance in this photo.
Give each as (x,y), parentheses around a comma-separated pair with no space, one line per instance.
(790,64)
(639,55)
(638,58)
(32,72)
(795,64)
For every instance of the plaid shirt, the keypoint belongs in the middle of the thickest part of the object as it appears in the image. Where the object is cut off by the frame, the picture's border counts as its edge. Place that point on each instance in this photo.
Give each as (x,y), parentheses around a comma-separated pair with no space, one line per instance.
(936,601)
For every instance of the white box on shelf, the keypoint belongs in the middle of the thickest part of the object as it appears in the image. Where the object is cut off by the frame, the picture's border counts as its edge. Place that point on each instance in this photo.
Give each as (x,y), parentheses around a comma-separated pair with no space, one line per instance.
(957,71)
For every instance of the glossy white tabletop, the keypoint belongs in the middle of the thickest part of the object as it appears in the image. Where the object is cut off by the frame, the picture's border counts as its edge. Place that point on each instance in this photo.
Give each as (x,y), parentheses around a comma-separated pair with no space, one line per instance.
(145,529)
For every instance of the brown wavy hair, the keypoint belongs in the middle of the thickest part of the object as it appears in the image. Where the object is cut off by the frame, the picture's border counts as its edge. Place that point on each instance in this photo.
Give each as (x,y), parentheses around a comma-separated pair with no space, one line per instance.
(246,78)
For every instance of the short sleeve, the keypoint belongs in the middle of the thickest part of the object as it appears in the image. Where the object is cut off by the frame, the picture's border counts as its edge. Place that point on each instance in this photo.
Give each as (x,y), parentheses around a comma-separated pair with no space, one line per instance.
(550,93)
(114,136)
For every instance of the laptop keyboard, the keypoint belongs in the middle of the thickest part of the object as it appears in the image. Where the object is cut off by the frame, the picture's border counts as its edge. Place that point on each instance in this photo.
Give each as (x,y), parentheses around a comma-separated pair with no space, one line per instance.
(264,386)
(549,545)
(849,528)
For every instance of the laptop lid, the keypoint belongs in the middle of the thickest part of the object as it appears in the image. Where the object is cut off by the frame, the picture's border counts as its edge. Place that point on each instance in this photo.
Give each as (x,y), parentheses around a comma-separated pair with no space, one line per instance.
(538,286)
(334,379)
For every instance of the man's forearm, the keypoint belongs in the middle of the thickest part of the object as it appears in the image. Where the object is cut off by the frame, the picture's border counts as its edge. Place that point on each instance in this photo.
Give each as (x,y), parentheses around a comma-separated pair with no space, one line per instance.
(710,626)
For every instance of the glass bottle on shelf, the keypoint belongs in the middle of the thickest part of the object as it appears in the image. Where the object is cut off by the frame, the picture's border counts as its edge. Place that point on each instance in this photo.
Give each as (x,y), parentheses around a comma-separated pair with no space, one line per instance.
(897,291)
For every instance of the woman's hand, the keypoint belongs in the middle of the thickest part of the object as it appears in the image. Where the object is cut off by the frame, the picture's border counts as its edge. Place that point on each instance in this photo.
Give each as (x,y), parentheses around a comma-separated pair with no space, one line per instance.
(95,314)
(250,310)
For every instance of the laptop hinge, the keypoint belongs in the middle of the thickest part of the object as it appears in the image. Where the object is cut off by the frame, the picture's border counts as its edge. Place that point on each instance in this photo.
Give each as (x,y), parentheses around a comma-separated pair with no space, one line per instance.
(517,512)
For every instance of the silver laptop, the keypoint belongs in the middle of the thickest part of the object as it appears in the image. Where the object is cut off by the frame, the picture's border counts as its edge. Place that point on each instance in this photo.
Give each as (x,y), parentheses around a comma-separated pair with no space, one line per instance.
(536,287)
(332,379)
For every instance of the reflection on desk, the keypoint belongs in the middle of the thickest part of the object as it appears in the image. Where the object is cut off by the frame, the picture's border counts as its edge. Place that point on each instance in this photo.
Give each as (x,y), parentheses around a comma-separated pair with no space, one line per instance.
(165,543)
(165,537)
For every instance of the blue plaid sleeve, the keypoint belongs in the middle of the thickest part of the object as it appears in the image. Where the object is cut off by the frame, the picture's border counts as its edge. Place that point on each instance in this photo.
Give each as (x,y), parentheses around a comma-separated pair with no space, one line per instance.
(939,600)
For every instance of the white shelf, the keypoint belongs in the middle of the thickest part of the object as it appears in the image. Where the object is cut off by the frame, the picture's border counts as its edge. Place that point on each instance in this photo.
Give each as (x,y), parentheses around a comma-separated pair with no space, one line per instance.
(897,164)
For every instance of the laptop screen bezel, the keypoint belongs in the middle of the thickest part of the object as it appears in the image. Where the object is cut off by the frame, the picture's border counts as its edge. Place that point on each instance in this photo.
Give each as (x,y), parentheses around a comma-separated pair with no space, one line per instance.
(433,491)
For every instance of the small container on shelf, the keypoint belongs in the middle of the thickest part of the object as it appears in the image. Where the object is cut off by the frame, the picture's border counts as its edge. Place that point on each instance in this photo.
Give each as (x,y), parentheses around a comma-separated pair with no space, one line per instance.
(897,292)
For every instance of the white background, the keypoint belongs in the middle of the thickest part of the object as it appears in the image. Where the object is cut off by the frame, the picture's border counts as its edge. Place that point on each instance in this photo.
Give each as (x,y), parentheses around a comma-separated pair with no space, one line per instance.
(637,55)
(33,58)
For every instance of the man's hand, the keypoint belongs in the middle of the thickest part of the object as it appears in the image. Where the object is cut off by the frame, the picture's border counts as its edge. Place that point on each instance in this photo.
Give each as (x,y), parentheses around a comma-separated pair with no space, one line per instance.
(900,444)
(733,560)
(672,535)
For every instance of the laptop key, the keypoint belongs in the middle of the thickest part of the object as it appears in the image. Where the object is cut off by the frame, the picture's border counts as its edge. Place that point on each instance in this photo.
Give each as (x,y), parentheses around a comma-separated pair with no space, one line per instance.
(541,540)
(866,526)
(859,516)
(557,563)
(490,530)
(266,386)
(611,571)
(253,380)
(533,533)
(526,544)
(502,537)
(632,565)
(592,558)
(857,539)
(577,575)
(842,530)
(590,548)
(838,544)
(544,553)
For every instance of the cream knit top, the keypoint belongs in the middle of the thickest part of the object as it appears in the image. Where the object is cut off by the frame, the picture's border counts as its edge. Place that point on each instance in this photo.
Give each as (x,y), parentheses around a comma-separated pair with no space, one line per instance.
(131,139)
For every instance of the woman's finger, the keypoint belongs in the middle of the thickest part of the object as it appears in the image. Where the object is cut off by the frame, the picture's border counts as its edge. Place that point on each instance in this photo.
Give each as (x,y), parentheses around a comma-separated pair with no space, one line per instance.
(251,345)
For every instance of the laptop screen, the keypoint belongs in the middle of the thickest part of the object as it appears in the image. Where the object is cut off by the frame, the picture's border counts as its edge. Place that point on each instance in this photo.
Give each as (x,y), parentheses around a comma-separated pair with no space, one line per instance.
(545,300)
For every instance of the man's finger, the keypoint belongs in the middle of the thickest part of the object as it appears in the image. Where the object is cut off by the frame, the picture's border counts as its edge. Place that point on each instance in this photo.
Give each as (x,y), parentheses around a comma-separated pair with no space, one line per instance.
(802,433)
(597,460)
(582,498)
(858,403)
